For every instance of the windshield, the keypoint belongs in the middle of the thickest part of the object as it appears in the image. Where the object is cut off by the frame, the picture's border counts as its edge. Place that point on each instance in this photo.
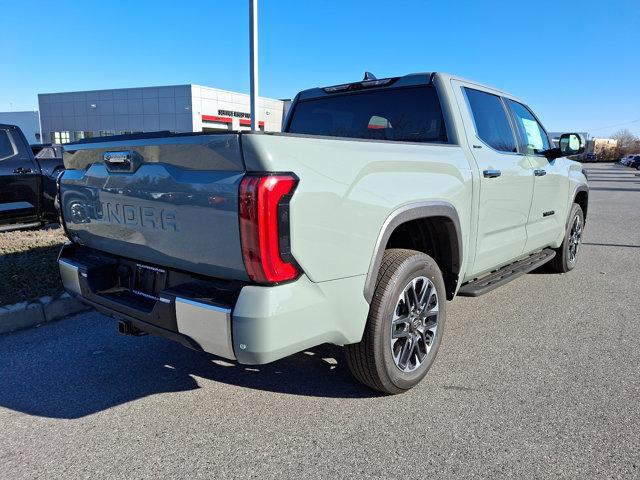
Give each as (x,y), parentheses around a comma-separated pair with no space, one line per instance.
(409,114)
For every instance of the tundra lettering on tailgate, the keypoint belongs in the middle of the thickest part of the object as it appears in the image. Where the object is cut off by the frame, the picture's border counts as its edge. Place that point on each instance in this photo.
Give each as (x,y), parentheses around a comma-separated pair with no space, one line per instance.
(147,217)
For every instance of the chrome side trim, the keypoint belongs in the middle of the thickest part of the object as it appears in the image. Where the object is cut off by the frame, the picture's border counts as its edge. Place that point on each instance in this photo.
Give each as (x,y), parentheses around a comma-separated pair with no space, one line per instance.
(208,325)
(70,276)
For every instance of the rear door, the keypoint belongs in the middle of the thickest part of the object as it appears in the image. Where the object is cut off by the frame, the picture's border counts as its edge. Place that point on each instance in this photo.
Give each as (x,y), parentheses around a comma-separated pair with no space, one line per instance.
(19,179)
(551,181)
(506,182)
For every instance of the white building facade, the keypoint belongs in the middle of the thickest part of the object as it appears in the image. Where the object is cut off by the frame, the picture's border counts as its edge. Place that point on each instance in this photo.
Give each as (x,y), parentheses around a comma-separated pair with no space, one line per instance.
(70,116)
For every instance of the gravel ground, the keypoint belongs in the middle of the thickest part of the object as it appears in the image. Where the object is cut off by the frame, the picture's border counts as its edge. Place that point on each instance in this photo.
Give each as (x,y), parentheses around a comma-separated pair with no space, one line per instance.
(538,379)
(26,255)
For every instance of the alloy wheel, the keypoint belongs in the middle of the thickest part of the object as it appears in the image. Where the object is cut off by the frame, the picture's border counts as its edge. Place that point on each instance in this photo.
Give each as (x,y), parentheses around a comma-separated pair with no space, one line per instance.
(414,324)
(575,236)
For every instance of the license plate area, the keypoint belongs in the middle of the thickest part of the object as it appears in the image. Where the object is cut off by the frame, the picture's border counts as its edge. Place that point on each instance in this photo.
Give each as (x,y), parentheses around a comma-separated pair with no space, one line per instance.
(148,281)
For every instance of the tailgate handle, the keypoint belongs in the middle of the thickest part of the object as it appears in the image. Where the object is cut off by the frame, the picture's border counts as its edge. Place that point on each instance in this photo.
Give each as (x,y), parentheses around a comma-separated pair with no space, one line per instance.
(122,161)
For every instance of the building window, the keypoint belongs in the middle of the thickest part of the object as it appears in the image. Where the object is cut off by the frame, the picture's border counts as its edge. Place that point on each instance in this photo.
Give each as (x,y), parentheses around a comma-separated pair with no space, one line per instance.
(82,135)
(106,133)
(59,137)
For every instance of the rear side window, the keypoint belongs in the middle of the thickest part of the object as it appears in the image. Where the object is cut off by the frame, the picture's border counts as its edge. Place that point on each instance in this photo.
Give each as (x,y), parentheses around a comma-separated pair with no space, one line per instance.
(409,114)
(6,147)
(490,117)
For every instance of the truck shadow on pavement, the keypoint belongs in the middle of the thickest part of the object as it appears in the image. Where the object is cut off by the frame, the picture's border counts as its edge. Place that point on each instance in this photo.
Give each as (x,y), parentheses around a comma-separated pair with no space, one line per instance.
(80,366)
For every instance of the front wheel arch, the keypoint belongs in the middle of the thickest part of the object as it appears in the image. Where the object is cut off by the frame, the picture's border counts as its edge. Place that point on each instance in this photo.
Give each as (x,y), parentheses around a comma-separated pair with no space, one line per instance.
(581,197)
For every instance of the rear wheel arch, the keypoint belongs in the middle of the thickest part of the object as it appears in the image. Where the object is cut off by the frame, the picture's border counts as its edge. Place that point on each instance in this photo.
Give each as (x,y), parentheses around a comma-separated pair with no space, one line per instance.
(430,227)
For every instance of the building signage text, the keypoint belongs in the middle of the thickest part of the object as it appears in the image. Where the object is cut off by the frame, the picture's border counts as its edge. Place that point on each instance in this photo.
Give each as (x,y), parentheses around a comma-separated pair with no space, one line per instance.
(231,113)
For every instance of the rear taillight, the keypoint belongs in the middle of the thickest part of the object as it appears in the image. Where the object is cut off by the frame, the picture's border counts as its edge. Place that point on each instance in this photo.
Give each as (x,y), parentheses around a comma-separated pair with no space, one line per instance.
(264,227)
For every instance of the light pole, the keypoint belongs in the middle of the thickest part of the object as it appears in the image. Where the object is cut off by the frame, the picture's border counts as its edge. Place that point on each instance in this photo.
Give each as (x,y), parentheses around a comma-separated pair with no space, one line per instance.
(253,49)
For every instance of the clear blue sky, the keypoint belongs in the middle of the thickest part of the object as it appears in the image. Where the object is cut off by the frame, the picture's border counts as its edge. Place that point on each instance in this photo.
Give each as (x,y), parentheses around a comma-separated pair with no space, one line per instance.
(577,63)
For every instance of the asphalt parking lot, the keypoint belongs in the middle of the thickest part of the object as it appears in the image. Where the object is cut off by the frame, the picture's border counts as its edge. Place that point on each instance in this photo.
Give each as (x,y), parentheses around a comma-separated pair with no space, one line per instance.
(540,378)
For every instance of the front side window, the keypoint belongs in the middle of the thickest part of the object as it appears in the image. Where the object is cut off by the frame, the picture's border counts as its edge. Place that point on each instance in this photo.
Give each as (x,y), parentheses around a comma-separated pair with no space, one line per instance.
(492,123)
(410,114)
(6,146)
(532,135)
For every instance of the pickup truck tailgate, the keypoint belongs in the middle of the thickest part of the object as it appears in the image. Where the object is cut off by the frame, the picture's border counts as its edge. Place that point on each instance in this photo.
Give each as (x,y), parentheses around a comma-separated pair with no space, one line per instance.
(169,200)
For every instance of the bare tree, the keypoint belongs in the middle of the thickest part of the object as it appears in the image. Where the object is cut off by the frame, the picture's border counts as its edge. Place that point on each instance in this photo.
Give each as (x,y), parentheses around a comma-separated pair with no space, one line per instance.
(628,143)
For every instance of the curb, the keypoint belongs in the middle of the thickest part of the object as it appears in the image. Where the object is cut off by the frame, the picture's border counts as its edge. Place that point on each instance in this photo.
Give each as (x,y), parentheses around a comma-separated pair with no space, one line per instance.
(30,314)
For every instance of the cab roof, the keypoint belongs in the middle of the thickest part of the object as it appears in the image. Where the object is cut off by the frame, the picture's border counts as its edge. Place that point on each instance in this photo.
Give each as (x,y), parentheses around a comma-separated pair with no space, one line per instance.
(424,78)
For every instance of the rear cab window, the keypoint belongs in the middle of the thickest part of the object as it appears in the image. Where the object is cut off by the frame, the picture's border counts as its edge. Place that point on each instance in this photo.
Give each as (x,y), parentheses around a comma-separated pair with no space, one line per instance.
(402,114)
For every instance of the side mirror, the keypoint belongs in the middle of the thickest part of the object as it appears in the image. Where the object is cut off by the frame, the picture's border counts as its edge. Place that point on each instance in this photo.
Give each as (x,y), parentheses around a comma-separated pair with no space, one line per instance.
(571,144)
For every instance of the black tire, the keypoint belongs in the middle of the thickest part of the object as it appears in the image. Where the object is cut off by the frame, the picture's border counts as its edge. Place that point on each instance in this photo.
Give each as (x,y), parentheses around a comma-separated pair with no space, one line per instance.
(562,262)
(372,359)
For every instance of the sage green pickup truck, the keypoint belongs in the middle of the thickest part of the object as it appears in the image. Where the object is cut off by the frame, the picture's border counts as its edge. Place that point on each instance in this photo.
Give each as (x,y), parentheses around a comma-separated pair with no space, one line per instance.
(380,201)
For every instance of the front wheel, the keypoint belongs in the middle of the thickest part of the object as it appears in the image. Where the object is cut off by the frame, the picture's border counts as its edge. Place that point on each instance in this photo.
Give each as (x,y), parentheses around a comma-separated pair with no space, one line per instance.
(567,255)
(405,323)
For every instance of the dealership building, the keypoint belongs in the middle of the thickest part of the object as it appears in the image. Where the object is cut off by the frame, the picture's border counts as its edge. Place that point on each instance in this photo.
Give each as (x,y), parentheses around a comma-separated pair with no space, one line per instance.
(70,116)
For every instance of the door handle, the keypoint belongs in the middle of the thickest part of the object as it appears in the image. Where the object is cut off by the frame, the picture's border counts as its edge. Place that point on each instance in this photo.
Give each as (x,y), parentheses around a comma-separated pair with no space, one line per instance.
(491,173)
(22,170)
(539,172)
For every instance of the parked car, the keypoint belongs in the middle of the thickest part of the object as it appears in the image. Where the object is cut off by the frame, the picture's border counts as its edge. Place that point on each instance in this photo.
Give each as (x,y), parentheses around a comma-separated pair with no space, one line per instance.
(634,162)
(27,183)
(381,200)
(628,159)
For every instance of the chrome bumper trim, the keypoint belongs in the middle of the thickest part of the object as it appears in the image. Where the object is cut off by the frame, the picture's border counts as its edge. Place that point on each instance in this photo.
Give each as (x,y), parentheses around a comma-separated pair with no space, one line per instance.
(70,276)
(208,325)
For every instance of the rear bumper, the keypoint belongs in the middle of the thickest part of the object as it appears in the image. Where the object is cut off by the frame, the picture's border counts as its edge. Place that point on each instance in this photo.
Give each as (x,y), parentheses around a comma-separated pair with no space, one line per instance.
(250,324)
(198,325)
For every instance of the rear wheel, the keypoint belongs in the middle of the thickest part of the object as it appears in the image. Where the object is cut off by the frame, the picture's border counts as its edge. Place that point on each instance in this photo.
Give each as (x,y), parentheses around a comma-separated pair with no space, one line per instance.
(405,323)
(567,255)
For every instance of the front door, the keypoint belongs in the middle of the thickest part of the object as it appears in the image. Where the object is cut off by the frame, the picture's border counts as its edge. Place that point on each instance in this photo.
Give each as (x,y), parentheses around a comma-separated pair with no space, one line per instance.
(548,213)
(506,182)
(19,179)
